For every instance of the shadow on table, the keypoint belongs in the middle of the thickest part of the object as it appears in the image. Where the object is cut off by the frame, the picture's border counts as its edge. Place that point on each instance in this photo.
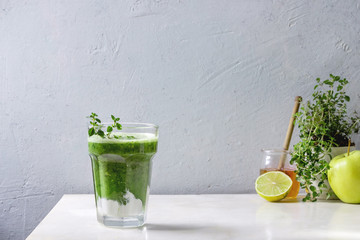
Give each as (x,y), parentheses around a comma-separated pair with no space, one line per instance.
(190,232)
(173,227)
(300,197)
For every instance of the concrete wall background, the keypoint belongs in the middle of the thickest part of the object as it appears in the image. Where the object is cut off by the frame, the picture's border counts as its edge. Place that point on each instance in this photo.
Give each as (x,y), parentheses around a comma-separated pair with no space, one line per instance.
(218,77)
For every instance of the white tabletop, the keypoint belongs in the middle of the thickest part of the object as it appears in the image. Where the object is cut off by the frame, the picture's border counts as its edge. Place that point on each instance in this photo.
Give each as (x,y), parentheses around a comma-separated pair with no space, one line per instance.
(243,216)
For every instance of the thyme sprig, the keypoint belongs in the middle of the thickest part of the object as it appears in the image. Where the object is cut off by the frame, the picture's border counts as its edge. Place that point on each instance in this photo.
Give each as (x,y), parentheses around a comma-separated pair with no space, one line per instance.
(115,125)
(96,126)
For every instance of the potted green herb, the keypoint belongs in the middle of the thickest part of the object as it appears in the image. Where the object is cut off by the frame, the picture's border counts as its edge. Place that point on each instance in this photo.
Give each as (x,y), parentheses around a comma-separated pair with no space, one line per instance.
(324,124)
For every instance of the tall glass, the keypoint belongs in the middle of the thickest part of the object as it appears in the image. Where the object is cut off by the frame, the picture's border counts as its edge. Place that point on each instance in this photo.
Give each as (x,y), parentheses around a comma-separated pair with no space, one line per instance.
(121,166)
(271,161)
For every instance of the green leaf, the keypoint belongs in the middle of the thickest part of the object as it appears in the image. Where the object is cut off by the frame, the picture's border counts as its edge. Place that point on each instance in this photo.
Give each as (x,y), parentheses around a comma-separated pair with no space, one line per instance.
(98,120)
(347,98)
(328,195)
(91,131)
(109,129)
(117,119)
(327,82)
(118,126)
(101,133)
(112,117)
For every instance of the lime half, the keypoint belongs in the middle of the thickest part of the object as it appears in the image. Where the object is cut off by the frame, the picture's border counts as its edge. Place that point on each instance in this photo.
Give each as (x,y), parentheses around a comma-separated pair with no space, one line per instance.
(273,186)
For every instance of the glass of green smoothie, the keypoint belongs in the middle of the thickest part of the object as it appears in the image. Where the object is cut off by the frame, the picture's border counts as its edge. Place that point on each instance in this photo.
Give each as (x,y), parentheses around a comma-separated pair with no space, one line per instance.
(121,166)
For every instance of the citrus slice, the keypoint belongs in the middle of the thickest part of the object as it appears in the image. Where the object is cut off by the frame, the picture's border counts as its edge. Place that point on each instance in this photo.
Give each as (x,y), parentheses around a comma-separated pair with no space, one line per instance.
(273,186)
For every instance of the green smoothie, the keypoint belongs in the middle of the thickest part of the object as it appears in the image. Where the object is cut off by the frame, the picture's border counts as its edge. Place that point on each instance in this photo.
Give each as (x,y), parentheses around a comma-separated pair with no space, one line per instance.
(121,168)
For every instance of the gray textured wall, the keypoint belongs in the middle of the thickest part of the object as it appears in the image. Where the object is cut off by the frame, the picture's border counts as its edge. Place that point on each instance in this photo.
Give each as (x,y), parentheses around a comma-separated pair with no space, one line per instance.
(219,77)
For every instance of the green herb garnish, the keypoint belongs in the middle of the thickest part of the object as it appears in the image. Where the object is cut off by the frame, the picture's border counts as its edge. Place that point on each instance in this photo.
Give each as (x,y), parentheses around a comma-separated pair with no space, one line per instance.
(95,122)
(115,125)
(96,126)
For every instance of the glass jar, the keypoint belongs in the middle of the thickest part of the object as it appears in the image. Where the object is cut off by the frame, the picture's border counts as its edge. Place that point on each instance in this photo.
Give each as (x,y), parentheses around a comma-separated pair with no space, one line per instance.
(279,160)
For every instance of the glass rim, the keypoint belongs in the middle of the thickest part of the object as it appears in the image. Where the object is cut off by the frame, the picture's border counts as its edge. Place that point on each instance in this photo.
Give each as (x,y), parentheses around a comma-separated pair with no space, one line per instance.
(131,125)
(275,150)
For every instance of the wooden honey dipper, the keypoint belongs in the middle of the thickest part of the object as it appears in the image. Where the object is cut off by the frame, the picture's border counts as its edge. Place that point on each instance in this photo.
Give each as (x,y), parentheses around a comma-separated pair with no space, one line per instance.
(289,132)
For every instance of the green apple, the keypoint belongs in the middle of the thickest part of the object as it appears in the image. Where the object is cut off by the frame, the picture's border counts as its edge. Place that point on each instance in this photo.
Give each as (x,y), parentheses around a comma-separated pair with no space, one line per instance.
(344,176)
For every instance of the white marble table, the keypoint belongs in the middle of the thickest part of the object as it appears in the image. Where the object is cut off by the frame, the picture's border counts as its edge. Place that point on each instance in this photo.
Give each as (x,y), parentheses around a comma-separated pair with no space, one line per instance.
(242,216)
